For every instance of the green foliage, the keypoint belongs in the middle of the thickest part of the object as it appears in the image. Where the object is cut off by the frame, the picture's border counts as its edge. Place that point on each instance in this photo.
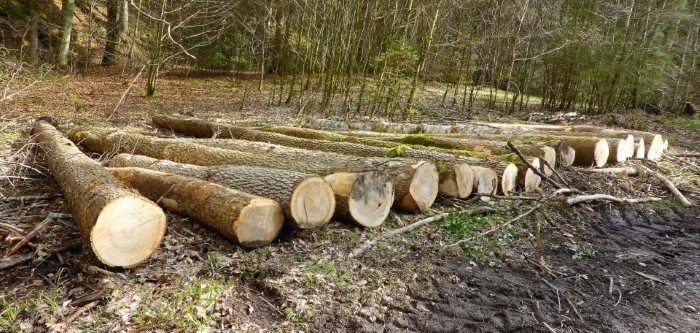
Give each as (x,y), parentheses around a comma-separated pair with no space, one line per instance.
(462,225)
(397,151)
(398,59)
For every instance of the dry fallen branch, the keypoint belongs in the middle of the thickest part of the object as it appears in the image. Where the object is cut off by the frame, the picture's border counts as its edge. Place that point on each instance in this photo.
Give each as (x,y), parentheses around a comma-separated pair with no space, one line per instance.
(29,236)
(668,185)
(629,171)
(593,197)
(369,243)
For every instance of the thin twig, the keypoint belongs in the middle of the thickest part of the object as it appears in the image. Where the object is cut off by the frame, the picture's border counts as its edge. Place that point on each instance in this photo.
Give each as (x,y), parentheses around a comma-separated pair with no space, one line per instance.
(672,188)
(81,311)
(29,236)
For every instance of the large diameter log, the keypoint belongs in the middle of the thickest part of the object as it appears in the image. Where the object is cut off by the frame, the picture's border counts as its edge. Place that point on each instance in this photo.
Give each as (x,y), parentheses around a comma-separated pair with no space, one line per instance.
(202,128)
(415,182)
(654,147)
(364,198)
(307,200)
(590,152)
(618,150)
(509,178)
(248,220)
(122,227)
(565,154)
(485,180)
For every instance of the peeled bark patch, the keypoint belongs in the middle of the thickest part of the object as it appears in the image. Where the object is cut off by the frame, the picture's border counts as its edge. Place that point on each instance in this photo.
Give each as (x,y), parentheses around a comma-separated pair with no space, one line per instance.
(122,227)
(249,220)
(307,200)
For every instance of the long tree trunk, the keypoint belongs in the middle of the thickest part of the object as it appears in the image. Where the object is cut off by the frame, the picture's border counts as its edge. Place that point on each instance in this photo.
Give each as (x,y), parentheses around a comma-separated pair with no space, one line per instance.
(112,38)
(122,228)
(415,182)
(67,11)
(308,202)
(246,219)
(123,25)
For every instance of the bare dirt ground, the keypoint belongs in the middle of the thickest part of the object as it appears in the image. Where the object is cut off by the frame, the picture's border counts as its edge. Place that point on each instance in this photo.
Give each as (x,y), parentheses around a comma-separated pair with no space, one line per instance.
(596,267)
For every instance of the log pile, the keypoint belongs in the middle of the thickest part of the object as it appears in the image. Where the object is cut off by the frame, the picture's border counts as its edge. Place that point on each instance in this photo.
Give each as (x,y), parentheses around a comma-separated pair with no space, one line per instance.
(246,183)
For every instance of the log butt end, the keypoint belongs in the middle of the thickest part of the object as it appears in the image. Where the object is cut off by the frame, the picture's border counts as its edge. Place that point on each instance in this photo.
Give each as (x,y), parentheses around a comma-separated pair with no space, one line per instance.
(630,146)
(509,179)
(127,232)
(485,180)
(423,189)
(601,151)
(641,150)
(656,148)
(458,182)
(532,180)
(549,155)
(566,155)
(259,223)
(312,203)
(370,198)
(621,153)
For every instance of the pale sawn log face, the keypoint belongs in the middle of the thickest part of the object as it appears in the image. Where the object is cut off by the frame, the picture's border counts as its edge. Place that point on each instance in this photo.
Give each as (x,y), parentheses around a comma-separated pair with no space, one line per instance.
(123,228)
(364,198)
(249,220)
(307,200)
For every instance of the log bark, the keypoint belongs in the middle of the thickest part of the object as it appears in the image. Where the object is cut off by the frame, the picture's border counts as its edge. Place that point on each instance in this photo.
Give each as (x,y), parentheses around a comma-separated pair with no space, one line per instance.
(307,200)
(415,182)
(449,170)
(123,228)
(246,219)
(590,152)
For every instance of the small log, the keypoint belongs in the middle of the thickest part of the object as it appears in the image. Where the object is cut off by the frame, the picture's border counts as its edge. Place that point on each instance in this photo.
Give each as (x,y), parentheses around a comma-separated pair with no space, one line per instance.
(641,150)
(248,220)
(123,228)
(307,200)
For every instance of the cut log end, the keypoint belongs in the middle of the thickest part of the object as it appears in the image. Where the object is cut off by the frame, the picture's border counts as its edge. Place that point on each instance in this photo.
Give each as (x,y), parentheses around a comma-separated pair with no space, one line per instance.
(423,189)
(127,231)
(485,180)
(530,181)
(655,149)
(566,155)
(457,182)
(312,203)
(550,155)
(622,152)
(259,222)
(370,198)
(509,179)
(641,149)
(601,153)
(630,146)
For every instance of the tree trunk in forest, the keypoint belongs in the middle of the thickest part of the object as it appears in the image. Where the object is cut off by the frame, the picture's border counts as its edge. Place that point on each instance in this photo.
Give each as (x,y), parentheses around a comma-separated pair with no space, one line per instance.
(123,26)
(307,200)
(415,182)
(67,11)
(122,228)
(246,219)
(451,171)
(112,37)
(34,31)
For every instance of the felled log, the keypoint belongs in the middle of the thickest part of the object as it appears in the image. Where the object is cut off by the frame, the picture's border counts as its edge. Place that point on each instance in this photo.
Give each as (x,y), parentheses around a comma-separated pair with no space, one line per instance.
(590,152)
(654,147)
(640,147)
(122,227)
(248,220)
(507,171)
(363,198)
(307,200)
(415,182)
(449,168)
(528,180)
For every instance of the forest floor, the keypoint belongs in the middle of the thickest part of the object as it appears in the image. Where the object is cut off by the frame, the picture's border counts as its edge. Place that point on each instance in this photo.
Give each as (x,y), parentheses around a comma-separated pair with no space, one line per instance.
(596,267)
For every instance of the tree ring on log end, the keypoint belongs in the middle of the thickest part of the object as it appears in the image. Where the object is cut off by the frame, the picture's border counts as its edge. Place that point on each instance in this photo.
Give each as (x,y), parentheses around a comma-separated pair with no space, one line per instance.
(312,203)
(509,179)
(127,231)
(601,153)
(457,182)
(485,180)
(424,187)
(371,197)
(258,223)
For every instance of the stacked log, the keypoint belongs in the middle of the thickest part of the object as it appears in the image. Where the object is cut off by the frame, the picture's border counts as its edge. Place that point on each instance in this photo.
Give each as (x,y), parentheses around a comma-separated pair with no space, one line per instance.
(307,200)
(248,220)
(507,171)
(415,182)
(454,177)
(122,227)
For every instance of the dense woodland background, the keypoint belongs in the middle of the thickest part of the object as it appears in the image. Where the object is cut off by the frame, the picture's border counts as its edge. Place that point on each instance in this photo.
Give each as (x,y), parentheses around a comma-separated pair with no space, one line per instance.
(370,57)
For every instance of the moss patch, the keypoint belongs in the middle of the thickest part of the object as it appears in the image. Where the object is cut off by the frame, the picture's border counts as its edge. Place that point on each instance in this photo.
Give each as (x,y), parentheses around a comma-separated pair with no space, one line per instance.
(397,151)
(418,139)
